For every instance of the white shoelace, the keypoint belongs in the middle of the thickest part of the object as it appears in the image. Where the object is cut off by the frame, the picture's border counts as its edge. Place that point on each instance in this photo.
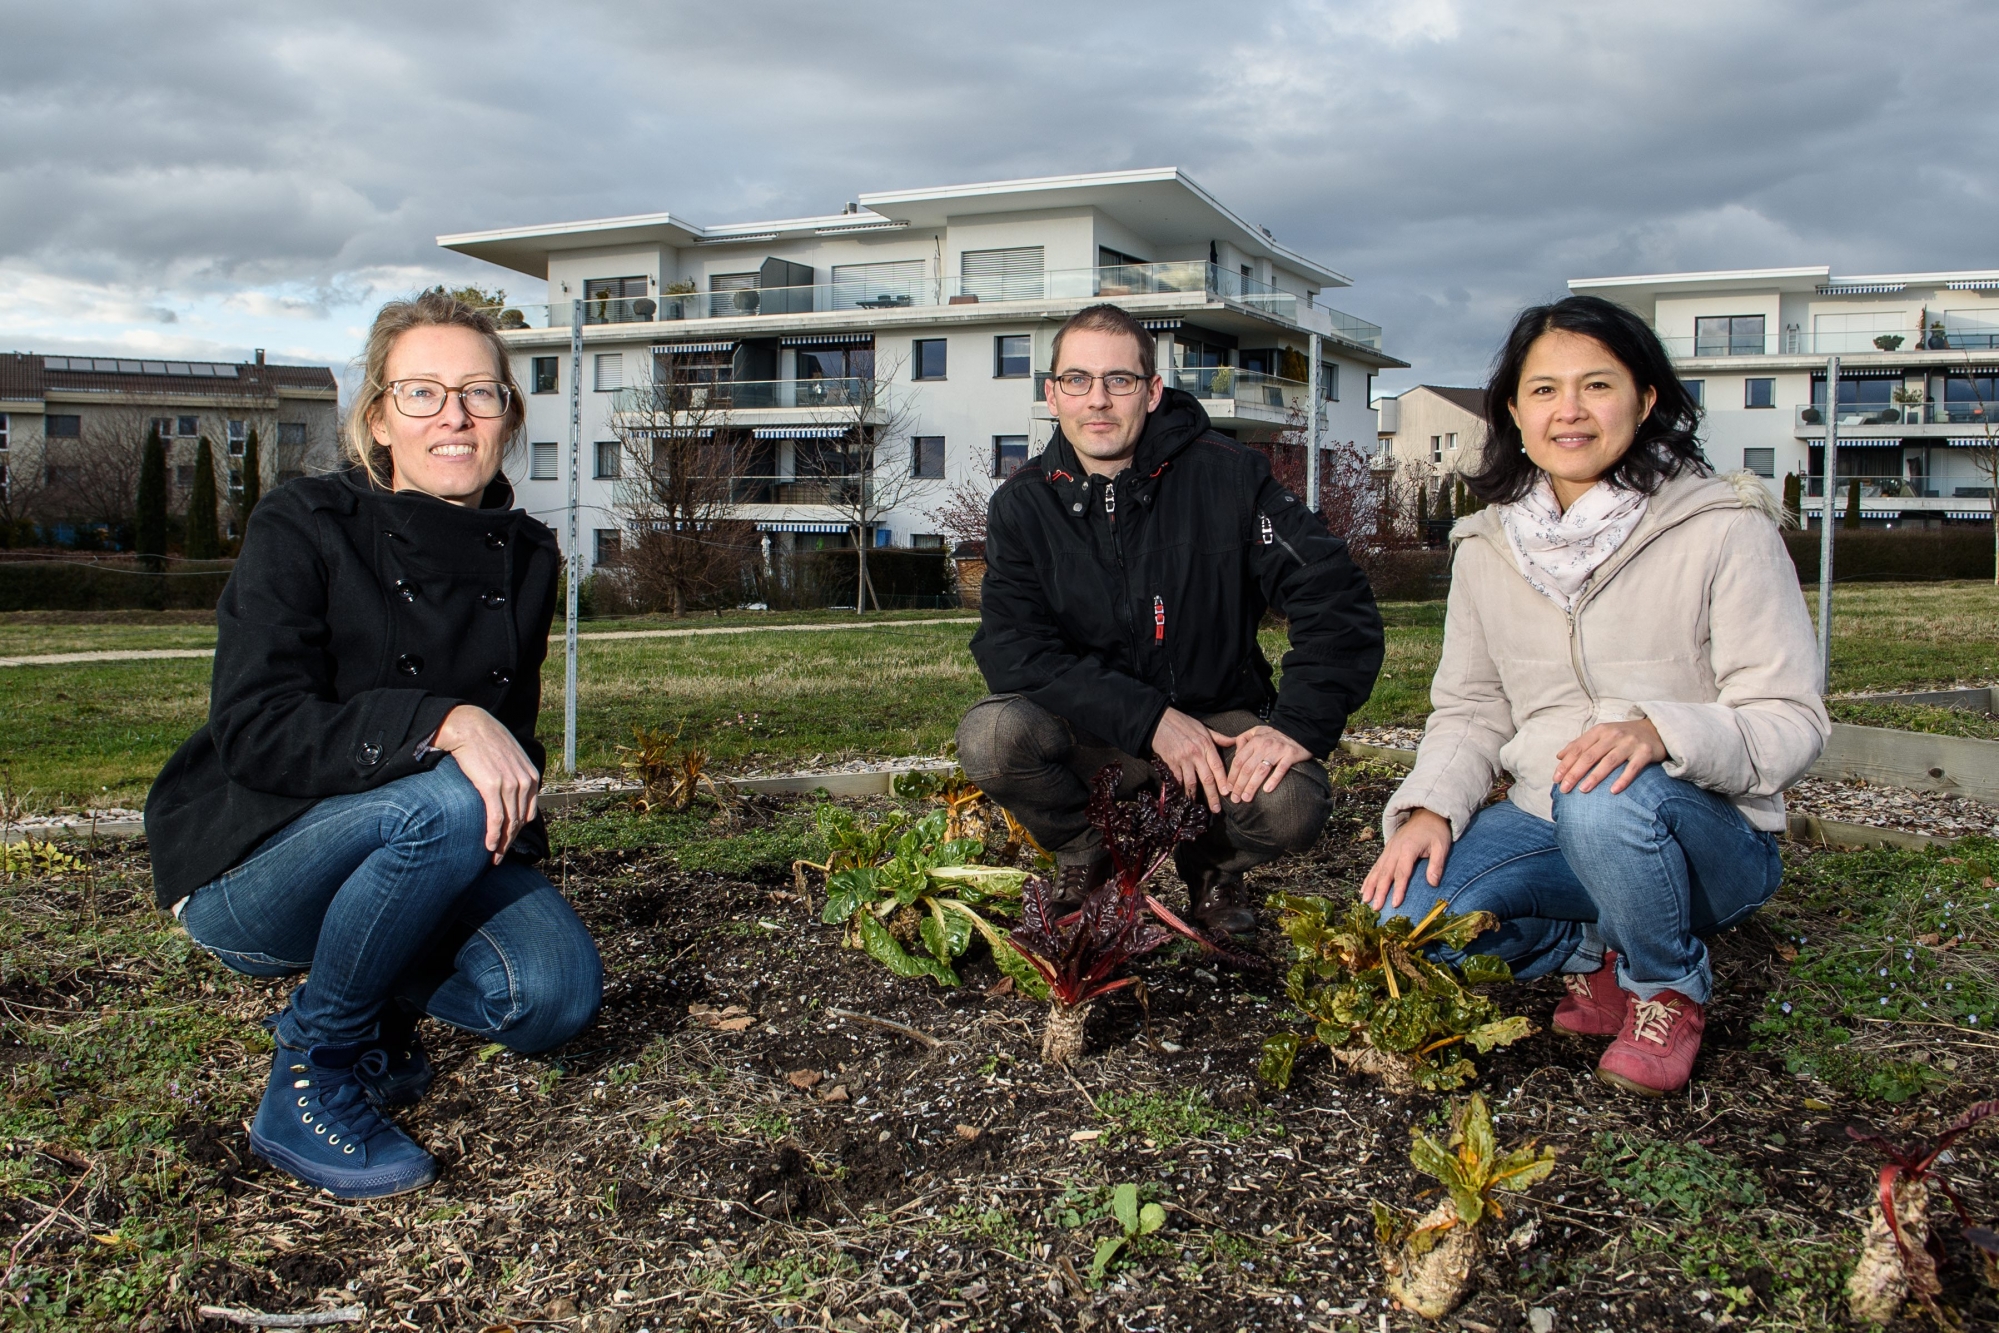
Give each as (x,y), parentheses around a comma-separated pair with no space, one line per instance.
(1653,1021)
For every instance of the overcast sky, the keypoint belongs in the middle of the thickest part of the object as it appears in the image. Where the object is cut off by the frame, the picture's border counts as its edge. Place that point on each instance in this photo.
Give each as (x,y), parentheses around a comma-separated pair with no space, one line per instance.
(201,179)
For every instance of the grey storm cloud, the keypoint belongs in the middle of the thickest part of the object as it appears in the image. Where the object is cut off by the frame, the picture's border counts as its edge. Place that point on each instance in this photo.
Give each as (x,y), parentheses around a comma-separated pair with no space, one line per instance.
(1459,160)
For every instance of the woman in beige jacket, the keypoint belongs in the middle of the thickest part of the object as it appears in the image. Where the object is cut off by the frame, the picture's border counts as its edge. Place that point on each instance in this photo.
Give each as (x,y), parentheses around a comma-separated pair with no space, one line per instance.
(1626,642)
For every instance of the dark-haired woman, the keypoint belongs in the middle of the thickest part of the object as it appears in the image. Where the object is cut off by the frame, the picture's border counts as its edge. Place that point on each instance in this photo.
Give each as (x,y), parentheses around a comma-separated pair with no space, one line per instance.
(1627,643)
(362,803)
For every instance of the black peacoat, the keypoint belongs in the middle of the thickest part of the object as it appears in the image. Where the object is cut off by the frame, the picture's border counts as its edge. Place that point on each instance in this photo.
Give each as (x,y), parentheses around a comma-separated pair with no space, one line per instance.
(356,618)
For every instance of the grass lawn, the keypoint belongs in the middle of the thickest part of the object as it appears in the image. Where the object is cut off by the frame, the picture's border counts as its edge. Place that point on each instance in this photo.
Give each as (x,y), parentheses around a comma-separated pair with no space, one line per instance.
(98,733)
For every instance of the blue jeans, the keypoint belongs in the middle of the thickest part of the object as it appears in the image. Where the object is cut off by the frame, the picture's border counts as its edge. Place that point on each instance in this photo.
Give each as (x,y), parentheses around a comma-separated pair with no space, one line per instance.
(390,896)
(1647,872)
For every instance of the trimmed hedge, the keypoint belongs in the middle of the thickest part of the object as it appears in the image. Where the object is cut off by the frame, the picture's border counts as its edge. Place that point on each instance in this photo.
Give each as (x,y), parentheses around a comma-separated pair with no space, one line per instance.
(1920,555)
(82,584)
(901,578)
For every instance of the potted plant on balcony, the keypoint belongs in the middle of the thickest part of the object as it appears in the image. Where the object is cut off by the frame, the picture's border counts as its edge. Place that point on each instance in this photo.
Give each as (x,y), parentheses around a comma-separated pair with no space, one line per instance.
(1910,402)
(1888,342)
(1938,340)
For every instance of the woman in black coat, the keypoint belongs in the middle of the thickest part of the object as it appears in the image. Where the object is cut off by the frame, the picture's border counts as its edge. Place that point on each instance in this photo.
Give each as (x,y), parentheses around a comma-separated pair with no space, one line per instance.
(362,803)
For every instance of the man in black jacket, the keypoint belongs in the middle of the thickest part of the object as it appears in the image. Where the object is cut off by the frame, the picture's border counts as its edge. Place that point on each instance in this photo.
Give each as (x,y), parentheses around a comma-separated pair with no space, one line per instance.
(1127,570)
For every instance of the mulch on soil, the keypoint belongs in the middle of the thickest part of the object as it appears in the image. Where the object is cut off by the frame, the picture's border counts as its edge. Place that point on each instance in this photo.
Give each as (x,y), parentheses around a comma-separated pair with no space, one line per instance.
(680,1167)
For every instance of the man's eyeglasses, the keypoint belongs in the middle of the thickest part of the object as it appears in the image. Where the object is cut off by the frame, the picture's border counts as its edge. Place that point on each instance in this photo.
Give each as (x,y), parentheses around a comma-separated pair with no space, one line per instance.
(426,398)
(1120,382)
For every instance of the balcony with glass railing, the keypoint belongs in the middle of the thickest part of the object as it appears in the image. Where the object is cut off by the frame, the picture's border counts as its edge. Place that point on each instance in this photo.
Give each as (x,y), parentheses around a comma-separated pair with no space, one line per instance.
(1109,282)
(1943,417)
(695,402)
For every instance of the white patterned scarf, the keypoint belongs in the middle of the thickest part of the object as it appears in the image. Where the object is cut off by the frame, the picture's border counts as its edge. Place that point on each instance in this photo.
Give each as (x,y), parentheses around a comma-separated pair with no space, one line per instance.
(1558,549)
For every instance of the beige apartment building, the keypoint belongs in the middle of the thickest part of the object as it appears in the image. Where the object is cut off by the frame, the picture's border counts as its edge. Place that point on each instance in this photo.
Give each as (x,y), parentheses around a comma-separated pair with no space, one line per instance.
(71,427)
(1430,431)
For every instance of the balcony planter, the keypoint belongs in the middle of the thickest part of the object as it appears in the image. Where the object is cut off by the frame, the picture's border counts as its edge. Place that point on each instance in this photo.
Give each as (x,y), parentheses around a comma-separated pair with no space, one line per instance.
(965,298)
(1889,342)
(970,559)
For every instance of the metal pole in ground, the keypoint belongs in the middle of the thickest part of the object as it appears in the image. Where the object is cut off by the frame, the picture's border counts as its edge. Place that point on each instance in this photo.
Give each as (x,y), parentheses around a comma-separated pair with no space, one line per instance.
(1825,522)
(1312,430)
(574,564)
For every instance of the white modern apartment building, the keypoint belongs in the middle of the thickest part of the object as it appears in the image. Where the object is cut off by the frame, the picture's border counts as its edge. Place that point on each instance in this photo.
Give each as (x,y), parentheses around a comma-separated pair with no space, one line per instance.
(950,295)
(1918,397)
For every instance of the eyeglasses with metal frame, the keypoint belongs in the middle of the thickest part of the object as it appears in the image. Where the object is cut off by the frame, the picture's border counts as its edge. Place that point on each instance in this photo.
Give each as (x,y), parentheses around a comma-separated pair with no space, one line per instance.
(426,398)
(1122,383)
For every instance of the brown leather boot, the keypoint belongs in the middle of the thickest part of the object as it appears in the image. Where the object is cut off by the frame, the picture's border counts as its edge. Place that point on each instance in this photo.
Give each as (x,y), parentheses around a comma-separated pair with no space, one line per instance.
(1215,902)
(1075,882)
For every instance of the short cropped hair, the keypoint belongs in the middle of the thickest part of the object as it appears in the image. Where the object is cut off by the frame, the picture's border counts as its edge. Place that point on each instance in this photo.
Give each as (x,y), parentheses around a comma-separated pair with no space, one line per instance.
(426,309)
(1666,443)
(1109,319)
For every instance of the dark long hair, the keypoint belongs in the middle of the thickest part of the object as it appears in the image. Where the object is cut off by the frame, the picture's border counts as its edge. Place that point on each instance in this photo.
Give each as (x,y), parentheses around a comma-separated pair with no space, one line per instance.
(1665,444)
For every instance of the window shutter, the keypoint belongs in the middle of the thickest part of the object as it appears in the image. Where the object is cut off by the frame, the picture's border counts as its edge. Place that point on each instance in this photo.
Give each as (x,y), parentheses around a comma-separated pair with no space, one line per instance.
(542,462)
(1003,275)
(610,371)
(723,301)
(901,280)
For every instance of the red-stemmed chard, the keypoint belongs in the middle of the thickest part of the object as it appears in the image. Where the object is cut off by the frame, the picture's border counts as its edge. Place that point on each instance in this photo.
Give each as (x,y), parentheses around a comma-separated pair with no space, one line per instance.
(1898,1258)
(1081,955)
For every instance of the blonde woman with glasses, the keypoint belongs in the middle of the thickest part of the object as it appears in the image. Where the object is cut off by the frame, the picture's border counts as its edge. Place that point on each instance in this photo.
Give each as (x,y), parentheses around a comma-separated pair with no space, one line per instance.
(362,804)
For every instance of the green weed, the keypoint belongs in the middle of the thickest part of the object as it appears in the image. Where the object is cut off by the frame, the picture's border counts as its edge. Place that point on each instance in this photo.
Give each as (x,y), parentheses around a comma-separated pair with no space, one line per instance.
(1679,1179)
(1168,1118)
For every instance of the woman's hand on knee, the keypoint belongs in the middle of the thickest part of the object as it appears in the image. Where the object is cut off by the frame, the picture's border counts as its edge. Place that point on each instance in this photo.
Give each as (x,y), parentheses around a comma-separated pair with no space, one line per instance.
(1424,836)
(1598,752)
(494,763)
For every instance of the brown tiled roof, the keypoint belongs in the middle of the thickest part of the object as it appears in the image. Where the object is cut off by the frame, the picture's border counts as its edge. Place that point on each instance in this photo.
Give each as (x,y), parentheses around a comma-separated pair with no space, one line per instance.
(20,376)
(1471,400)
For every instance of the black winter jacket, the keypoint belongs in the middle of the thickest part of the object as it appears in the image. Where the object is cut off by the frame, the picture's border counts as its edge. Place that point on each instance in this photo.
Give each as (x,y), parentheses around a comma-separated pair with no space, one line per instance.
(354,621)
(1105,601)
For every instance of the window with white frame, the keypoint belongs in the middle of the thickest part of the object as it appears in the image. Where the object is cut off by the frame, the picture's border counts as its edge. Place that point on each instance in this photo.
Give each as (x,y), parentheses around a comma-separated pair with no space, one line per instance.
(607,460)
(1697,390)
(1009,454)
(927,457)
(1436,448)
(1329,381)
(187,427)
(1451,441)
(542,461)
(239,433)
(610,372)
(1762,462)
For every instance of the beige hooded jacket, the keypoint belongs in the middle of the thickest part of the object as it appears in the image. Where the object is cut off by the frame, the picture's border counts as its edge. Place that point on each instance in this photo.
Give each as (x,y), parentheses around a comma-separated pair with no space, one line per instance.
(1696,622)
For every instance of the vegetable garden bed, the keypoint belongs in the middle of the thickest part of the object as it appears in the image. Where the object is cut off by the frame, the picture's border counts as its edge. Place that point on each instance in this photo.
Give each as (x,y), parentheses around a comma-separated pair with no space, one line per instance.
(766,1129)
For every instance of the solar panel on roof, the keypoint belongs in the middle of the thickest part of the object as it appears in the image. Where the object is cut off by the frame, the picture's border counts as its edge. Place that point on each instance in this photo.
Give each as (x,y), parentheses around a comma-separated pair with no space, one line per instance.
(154,367)
(107,365)
(225,372)
(128,368)
(199,369)
(178,368)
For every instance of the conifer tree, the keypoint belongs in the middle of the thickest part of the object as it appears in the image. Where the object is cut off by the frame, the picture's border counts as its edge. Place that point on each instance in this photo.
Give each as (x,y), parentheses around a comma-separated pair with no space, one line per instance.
(1852,504)
(204,536)
(1794,496)
(253,481)
(1445,514)
(149,524)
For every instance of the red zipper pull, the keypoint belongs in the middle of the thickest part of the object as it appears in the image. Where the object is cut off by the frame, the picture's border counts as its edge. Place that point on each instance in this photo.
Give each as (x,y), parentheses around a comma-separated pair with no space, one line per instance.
(1158,618)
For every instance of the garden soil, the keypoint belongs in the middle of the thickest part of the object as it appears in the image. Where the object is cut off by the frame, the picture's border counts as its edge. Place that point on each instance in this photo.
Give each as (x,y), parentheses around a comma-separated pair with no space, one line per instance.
(722,1150)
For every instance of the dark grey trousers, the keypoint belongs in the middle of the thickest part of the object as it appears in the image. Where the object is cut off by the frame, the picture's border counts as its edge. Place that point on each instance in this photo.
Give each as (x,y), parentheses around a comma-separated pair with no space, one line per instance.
(1040,767)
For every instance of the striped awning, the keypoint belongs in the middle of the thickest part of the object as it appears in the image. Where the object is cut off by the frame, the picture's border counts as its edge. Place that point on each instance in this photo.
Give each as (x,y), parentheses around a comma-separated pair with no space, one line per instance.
(1863,442)
(1973,514)
(799,432)
(1972,442)
(1159,325)
(828,340)
(671,349)
(788,525)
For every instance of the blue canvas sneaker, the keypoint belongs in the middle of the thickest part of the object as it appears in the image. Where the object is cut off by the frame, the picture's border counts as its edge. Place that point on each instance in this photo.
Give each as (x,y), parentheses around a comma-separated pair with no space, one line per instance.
(405,1073)
(316,1122)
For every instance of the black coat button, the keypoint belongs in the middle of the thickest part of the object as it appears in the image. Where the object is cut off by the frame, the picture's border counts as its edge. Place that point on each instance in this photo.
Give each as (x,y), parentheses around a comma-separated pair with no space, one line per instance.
(409,664)
(501,677)
(496,540)
(408,591)
(493,599)
(370,755)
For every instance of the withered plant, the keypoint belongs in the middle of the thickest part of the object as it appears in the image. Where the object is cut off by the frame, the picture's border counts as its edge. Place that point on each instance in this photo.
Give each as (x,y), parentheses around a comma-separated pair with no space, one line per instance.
(1899,1256)
(1429,1262)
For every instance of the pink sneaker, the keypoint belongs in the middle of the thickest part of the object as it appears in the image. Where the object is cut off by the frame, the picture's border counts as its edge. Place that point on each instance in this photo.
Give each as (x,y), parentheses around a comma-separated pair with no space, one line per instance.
(1594,1006)
(1655,1047)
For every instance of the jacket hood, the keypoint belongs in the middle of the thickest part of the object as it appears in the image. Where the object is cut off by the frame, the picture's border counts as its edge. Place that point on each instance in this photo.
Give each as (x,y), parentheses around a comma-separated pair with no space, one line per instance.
(1177,422)
(1677,500)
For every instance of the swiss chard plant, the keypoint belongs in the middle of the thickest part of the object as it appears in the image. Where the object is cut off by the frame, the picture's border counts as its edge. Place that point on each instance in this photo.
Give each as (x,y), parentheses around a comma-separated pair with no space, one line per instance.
(1082,956)
(970,813)
(1379,1004)
(1899,1257)
(914,898)
(1429,1261)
